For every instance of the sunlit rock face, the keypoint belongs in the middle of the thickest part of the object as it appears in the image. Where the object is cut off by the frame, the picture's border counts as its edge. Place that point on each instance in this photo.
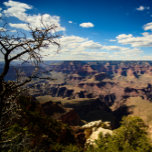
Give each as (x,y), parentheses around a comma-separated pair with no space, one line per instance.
(93,124)
(95,134)
(93,129)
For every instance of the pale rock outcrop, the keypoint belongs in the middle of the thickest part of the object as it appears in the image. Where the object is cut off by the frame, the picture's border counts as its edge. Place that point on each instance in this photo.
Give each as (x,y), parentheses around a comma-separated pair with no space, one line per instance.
(95,128)
(95,135)
(92,124)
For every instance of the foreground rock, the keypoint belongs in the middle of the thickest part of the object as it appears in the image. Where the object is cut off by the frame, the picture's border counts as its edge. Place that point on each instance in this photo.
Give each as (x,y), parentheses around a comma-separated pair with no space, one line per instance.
(93,129)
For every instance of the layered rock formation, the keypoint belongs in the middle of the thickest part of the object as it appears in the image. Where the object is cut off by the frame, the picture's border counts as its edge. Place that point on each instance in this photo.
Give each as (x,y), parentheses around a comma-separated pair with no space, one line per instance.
(92,90)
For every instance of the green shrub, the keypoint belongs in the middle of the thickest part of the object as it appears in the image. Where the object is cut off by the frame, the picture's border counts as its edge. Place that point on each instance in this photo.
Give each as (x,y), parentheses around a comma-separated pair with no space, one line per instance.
(130,137)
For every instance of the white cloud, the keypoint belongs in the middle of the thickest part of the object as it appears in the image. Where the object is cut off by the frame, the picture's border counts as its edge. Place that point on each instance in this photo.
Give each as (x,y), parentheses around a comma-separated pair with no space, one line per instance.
(35,21)
(13,31)
(124,36)
(82,44)
(21,26)
(87,25)
(79,48)
(112,40)
(18,10)
(77,43)
(142,8)
(145,40)
(70,22)
(148,26)
(141,41)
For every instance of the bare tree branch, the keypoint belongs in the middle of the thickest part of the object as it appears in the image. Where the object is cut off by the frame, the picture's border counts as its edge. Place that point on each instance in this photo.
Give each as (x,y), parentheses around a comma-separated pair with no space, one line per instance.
(25,49)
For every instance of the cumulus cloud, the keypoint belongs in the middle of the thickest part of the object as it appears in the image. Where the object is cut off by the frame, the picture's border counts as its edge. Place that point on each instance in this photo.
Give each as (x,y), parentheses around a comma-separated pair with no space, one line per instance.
(79,48)
(124,36)
(21,26)
(145,40)
(141,41)
(18,10)
(112,40)
(148,26)
(87,25)
(78,43)
(70,22)
(142,8)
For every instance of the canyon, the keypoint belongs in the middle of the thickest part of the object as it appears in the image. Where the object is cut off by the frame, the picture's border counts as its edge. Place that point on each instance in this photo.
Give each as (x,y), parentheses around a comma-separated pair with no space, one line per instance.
(78,92)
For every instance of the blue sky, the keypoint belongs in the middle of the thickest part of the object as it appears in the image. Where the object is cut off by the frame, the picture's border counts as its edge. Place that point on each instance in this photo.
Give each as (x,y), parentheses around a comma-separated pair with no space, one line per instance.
(91,29)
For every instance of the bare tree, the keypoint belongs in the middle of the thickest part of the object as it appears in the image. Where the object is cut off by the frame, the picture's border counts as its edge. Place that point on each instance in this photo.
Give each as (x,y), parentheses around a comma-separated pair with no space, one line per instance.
(24,47)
